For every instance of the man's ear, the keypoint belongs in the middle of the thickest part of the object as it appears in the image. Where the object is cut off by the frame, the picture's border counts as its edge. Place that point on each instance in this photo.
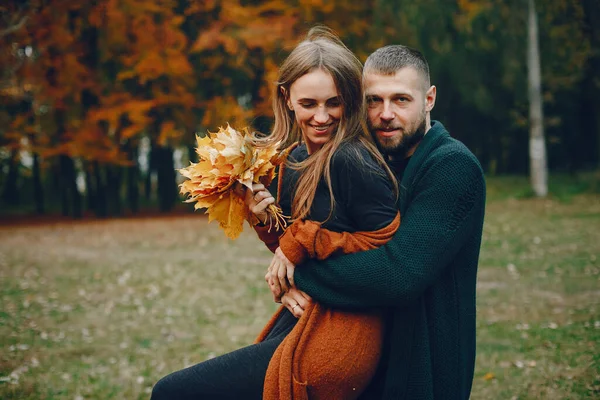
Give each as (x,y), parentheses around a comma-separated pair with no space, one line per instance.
(284,92)
(430,98)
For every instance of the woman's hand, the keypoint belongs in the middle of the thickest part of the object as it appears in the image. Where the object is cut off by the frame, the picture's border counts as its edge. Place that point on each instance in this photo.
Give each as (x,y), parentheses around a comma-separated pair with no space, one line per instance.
(257,200)
(280,275)
(296,301)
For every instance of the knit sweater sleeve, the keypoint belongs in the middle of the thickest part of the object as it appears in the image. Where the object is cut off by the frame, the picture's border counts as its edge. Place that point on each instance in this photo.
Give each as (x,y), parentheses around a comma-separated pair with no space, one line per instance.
(445,211)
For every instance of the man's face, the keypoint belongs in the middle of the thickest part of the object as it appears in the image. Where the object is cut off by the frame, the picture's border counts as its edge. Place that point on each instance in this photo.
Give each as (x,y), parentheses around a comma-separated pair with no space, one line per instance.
(397,109)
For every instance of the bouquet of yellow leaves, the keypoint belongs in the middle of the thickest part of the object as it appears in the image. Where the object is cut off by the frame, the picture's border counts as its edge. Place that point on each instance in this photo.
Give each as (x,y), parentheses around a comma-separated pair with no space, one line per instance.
(226,157)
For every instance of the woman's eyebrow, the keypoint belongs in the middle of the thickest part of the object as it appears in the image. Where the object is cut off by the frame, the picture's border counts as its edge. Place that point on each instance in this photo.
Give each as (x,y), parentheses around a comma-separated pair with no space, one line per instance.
(310,99)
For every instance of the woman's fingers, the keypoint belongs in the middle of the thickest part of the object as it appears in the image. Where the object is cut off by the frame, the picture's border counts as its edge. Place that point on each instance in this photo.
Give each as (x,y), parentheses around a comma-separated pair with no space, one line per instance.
(285,270)
(261,206)
(257,200)
(272,278)
(281,275)
(289,274)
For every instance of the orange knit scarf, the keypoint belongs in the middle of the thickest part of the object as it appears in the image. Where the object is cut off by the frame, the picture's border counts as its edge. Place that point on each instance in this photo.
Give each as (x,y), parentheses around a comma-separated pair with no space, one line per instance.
(330,354)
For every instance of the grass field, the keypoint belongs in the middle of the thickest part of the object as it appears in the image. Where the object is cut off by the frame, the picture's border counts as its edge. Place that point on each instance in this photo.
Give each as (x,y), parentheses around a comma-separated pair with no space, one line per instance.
(102,309)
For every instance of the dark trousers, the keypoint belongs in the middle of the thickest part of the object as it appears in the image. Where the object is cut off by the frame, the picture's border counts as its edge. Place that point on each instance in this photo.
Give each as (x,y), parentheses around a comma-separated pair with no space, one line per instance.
(236,375)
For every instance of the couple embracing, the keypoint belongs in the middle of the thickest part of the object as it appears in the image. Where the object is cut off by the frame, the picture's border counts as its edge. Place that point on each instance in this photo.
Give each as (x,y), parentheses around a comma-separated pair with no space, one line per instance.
(376,272)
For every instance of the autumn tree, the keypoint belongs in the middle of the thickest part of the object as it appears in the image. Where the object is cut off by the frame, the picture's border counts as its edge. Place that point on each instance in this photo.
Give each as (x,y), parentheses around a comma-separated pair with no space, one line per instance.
(16,115)
(85,84)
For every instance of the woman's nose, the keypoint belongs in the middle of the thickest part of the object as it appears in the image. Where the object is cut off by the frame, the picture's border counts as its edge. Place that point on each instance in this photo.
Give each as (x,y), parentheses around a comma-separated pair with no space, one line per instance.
(321,115)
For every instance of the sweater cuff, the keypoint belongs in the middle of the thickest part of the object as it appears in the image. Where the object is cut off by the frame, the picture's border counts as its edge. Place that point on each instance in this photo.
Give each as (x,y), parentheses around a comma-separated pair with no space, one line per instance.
(293,250)
(268,235)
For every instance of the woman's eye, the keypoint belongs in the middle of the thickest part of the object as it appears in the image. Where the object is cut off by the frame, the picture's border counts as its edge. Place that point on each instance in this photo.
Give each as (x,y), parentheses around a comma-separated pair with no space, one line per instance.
(307,105)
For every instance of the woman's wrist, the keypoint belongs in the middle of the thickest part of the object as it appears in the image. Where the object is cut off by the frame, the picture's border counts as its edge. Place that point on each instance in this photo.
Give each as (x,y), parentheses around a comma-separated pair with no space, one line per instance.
(262,219)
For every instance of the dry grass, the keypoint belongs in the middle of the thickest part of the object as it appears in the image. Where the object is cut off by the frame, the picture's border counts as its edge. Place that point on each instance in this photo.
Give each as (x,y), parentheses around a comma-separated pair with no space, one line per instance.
(539,300)
(101,310)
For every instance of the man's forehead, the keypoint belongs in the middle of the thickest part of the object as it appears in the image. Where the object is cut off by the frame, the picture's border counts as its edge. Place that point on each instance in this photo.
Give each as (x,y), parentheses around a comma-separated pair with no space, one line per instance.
(404,80)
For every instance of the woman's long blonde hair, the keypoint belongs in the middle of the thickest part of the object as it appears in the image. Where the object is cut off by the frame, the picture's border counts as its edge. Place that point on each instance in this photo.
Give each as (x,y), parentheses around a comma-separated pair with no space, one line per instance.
(322,49)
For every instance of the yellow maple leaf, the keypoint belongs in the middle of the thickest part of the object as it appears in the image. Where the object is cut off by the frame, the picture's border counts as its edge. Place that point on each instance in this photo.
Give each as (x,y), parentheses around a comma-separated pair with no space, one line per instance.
(489,376)
(230,211)
(226,157)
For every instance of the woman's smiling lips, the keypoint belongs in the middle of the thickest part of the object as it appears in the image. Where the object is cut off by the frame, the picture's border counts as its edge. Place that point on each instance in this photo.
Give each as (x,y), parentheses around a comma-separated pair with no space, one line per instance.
(321,128)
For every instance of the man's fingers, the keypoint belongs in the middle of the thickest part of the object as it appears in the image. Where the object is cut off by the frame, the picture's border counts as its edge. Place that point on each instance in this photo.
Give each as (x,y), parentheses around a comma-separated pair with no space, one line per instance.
(306,297)
(291,304)
(298,312)
(302,303)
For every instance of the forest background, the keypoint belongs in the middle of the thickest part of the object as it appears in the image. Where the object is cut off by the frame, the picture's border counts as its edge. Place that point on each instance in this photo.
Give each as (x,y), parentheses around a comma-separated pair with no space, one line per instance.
(101,100)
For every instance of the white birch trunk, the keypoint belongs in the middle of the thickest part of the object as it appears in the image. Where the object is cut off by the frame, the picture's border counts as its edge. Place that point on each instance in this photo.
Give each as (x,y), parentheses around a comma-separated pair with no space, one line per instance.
(538,166)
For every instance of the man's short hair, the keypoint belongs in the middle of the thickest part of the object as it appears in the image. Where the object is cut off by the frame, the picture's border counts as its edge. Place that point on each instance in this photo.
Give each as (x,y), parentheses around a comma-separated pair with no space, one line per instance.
(388,60)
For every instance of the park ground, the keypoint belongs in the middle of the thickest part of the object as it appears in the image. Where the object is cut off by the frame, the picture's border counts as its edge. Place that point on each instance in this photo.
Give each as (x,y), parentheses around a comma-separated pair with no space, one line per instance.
(102,309)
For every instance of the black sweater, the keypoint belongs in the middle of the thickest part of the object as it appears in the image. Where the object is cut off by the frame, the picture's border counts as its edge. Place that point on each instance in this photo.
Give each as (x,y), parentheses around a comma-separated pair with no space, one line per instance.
(426,275)
(364,196)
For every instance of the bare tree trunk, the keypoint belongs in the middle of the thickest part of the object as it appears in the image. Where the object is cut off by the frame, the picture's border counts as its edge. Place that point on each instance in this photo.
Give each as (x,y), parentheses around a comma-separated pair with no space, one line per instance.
(538,166)
(165,171)
(133,193)
(10,194)
(38,188)
(100,196)
(591,84)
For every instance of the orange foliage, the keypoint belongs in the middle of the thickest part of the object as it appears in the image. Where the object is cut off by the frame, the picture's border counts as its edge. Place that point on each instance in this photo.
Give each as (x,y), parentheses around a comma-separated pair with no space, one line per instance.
(228,157)
(118,69)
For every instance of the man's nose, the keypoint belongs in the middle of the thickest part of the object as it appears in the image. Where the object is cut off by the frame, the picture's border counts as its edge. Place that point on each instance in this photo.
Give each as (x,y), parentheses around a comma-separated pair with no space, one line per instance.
(321,115)
(387,114)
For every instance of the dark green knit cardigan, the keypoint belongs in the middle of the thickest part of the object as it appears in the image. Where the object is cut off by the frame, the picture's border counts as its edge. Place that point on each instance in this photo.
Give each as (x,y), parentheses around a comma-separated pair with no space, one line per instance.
(425,275)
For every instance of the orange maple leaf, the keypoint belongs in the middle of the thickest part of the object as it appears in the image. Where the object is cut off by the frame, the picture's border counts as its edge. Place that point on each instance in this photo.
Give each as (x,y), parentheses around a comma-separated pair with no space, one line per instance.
(228,157)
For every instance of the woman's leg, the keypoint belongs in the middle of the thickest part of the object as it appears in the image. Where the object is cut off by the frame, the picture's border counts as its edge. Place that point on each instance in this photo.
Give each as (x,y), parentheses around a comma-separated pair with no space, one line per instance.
(236,375)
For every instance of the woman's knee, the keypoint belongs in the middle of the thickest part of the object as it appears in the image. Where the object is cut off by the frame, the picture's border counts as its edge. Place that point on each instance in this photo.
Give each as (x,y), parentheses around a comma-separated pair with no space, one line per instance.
(165,389)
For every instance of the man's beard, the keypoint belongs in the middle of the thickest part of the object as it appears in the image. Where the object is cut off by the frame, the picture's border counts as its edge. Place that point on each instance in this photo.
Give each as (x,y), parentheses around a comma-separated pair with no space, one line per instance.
(393,148)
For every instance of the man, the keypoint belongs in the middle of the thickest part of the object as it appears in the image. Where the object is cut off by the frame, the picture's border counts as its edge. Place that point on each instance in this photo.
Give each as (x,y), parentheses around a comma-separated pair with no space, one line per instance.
(425,276)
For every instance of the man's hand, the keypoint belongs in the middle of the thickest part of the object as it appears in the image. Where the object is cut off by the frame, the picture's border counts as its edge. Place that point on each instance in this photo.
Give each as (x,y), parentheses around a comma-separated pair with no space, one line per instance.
(296,301)
(280,275)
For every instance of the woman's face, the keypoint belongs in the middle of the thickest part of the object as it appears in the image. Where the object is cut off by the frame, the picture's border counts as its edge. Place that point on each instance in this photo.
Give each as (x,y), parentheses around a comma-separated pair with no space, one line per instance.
(317,106)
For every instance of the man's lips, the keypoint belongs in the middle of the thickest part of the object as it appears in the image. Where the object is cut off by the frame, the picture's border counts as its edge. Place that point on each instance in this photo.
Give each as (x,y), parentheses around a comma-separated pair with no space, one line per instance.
(387,132)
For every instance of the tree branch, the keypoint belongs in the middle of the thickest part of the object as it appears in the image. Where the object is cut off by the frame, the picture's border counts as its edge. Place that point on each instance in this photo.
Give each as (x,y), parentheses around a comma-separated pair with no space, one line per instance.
(13,28)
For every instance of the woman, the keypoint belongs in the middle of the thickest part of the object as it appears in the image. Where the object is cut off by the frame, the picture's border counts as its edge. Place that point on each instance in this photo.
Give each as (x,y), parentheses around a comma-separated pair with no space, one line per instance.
(338,190)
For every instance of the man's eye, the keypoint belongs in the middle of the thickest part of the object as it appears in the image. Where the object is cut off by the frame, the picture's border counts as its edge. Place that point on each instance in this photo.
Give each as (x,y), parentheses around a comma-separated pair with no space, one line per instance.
(373,101)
